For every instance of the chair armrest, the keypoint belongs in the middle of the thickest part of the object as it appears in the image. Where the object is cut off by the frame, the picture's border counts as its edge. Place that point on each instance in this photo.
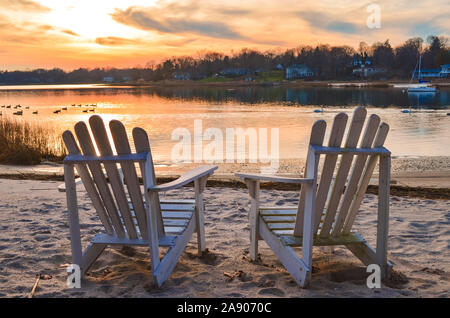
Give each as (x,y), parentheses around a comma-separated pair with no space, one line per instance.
(186,178)
(261,177)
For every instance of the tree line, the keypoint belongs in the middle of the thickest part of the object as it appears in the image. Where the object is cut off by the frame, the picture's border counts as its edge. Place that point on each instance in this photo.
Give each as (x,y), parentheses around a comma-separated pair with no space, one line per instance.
(328,63)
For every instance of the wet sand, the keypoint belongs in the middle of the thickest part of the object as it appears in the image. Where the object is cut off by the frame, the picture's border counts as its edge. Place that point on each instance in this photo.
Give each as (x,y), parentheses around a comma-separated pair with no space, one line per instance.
(430,172)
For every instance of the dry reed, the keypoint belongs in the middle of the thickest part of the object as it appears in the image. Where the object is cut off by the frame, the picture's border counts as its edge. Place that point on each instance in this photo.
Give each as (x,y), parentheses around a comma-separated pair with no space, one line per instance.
(23,143)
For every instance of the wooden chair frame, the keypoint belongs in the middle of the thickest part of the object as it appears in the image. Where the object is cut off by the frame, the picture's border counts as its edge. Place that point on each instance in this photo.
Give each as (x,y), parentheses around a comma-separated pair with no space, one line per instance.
(309,217)
(139,222)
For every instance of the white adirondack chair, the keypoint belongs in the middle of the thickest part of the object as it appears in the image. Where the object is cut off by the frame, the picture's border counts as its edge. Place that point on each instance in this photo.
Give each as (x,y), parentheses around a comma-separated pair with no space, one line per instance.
(327,209)
(129,216)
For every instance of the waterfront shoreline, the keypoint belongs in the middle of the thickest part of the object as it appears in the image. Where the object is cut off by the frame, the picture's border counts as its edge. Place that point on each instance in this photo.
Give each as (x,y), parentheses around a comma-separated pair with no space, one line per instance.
(425,177)
(239,83)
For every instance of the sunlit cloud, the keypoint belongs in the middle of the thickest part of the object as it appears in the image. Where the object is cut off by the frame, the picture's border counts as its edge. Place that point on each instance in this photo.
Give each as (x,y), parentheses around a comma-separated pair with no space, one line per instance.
(86,33)
(149,19)
(70,32)
(23,5)
(112,40)
(318,20)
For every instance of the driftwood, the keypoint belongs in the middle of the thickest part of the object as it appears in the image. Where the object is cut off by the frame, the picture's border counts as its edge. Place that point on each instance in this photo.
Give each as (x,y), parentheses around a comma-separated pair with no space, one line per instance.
(38,278)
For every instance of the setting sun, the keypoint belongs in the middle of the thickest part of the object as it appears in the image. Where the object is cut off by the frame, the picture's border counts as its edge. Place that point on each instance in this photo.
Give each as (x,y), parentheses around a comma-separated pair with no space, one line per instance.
(88,19)
(71,34)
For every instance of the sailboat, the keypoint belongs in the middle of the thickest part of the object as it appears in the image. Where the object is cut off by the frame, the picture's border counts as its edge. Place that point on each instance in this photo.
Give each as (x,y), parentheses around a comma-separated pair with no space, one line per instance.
(422,86)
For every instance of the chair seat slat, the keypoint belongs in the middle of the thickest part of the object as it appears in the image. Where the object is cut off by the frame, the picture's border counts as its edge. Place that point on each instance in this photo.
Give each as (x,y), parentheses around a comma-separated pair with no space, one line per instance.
(166,241)
(279,219)
(177,201)
(177,207)
(281,226)
(291,211)
(176,215)
(290,240)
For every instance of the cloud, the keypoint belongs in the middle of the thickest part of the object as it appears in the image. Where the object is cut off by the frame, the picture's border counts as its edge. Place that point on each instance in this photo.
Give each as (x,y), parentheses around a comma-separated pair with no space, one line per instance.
(178,43)
(149,19)
(327,22)
(70,32)
(23,5)
(425,29)
(45,27)
(27,33)
(112,40)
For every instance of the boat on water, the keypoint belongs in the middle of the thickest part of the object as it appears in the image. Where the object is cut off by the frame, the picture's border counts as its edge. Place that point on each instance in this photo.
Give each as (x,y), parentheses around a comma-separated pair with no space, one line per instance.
(422,89)
(422,86)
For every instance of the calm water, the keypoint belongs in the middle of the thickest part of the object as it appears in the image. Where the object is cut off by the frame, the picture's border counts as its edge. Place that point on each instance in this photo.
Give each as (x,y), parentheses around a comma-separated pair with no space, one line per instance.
(425,131)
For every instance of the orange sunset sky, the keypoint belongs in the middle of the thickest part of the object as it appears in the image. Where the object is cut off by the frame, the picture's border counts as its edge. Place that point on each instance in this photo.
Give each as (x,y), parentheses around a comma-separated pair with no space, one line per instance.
(116,33)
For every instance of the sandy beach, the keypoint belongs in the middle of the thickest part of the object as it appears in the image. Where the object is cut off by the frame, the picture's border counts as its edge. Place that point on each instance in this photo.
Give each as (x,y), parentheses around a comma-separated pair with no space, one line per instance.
(34,240)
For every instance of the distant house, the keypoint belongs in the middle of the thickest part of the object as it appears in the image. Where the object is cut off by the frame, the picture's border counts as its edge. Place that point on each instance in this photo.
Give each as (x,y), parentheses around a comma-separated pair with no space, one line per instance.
(360,61)
(427,73)
(364,71)
(298,71)
(108,79)
(234,72)
(126,79)
(445,70)
(280,67)
(181,76)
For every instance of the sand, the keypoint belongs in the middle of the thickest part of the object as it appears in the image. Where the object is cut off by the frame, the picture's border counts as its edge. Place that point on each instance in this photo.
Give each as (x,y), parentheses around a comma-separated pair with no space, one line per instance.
(34,240)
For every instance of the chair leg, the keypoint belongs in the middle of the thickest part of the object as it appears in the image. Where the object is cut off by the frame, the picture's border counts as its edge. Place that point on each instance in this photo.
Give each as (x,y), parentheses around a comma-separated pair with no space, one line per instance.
(290,260)
(383,214)
(199,211)
(72,207)
(253,188)
(162,271)
(90,255)
(367,256)
(201,243)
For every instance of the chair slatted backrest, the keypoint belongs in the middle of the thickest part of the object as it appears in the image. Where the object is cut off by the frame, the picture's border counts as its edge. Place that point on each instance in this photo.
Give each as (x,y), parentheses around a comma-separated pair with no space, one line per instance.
(345,176)
(119,204)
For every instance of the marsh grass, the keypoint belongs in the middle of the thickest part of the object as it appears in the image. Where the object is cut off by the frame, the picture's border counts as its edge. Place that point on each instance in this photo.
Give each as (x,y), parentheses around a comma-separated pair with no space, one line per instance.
(23,143)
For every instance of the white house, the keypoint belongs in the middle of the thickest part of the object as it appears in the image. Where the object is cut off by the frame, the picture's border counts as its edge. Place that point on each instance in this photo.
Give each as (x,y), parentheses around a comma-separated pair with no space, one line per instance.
(365,71)
(427,73)
(298,71)
(359,61)
(181,76)
(445,70)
